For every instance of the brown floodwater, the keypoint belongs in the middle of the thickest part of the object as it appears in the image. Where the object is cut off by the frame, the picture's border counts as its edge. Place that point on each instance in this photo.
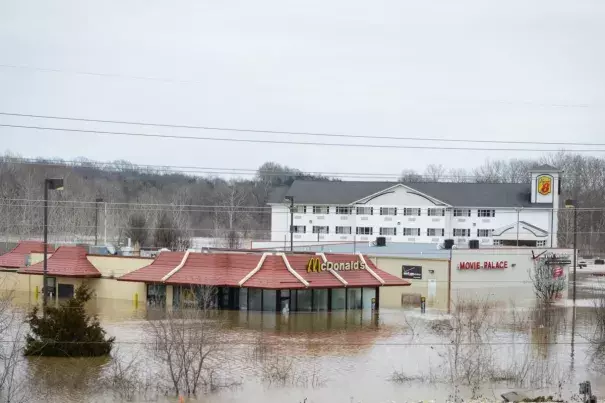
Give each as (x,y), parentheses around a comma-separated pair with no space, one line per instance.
(338,356)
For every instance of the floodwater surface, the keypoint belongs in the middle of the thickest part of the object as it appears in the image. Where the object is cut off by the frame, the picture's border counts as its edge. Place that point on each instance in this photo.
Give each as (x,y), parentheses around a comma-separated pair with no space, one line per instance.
(395,355)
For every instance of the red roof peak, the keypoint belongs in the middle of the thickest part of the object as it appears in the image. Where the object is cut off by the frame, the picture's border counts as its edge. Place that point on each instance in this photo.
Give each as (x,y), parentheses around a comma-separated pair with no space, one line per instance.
(16,257)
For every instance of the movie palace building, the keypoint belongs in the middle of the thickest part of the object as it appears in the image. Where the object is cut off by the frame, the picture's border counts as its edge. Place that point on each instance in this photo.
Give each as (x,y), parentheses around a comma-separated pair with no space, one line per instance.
(275,282)
(467,214)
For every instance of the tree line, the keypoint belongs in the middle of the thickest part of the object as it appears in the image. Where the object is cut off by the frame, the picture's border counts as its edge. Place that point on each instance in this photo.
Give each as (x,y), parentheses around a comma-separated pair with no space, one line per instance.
(166,208)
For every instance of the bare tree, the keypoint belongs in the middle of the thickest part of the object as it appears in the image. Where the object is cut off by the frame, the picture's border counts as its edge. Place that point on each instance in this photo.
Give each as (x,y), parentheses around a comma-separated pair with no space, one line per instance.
(137,229)
(434,173)
(188,345)
(547,277)
(12,331)
(411,176)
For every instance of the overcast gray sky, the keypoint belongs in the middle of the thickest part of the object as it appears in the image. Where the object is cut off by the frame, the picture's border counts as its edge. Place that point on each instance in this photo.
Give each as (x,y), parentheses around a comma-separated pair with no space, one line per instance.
(476,69)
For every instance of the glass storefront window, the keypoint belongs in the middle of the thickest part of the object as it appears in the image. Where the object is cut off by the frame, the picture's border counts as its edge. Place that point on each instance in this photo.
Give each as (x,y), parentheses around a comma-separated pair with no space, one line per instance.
(338,299)
(368,294)
(304,300)
(156,294)
(320,300)
(243,299)
(255,299)
(269,299)
(354,298)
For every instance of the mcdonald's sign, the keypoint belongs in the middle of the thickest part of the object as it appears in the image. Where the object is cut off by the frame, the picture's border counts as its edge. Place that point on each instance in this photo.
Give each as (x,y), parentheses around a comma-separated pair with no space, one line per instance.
(315,264)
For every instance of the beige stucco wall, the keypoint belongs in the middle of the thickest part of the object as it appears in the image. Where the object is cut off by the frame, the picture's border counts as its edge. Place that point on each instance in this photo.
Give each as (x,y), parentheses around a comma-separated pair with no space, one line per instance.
(510,284)
(391,297)
(116,266)
(122,290)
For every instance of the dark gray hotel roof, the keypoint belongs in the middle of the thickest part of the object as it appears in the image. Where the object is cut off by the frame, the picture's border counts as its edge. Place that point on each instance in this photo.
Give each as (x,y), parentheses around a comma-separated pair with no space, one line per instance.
(454,194)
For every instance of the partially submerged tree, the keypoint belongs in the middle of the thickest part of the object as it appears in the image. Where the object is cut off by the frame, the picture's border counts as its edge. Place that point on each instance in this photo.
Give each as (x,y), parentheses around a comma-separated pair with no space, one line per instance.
(188,347)
(548,278)
(67,331)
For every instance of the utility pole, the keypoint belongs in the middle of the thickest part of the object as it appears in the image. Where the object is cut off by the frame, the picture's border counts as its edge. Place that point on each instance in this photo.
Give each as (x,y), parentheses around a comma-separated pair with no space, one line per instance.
(97,201)
(49,184)
(569,203)
(105,224)
(291,198)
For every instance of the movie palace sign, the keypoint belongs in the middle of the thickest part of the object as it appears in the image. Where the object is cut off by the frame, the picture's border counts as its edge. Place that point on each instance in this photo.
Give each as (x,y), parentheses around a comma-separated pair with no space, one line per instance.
(316,265)
(483,265)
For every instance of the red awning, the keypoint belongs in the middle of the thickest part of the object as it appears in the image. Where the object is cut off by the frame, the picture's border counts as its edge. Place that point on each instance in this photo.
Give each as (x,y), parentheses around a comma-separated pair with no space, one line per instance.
(67,261)
(16,257)
(255,270)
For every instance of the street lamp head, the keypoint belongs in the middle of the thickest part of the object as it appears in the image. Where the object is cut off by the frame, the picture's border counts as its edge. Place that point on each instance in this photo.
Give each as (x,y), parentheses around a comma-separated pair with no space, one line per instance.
(289,198)
(569,203)
(55,184)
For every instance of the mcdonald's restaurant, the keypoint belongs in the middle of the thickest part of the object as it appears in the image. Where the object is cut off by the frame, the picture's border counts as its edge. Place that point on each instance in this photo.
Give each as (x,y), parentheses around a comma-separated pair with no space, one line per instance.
(273,282)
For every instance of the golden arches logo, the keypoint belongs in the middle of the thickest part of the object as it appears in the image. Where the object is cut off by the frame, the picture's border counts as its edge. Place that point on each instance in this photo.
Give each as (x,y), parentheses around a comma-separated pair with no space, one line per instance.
(314,265)
(544,185)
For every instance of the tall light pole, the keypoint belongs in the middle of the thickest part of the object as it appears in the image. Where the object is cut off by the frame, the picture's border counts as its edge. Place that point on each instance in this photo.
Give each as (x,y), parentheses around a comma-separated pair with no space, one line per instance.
(97,201)
(291,198)
(569,203)
(49,184)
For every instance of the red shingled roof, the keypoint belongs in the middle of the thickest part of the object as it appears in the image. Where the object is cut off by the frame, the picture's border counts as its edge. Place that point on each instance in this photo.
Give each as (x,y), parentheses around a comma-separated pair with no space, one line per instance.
(16,257)
(229,269)
(67,261)
(160,267)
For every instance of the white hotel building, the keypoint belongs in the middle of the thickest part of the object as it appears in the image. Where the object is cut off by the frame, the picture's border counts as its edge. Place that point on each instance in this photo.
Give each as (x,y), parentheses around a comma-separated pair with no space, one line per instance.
(493,214)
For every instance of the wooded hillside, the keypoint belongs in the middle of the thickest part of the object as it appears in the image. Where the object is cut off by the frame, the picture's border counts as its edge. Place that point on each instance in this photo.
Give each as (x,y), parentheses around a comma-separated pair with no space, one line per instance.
(164,207)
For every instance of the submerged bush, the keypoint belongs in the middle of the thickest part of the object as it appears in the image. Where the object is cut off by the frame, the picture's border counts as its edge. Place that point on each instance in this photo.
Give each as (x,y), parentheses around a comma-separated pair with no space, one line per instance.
(67,331)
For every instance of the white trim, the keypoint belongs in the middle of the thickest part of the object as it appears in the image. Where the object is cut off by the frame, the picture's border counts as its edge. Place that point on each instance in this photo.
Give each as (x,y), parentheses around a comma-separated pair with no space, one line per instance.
(338,276)
(291,270)
(372,272)
(409,189)
(173,271)
(256,269)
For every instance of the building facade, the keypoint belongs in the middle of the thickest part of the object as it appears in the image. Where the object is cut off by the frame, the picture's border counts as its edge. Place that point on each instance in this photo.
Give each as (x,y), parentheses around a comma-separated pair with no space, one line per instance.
(494,214)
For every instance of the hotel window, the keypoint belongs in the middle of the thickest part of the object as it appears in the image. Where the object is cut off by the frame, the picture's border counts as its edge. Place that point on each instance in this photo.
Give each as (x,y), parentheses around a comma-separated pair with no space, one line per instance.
(343,230)
(388,211)
(411,231)
(344,210)
(540,243)
(300,209)
(321,210)
(486,213)
(321,229)
(365,210)
(388,231)
(462,212)
(436,212)
(484,233)
(411,211)
(462,232)
(299,229)
(497,242)
(364,230)
(435,232)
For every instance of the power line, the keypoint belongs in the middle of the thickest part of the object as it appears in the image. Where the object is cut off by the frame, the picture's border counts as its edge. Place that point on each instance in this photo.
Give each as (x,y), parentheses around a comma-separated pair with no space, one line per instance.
(298,143)
(298,133)
(91,205)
